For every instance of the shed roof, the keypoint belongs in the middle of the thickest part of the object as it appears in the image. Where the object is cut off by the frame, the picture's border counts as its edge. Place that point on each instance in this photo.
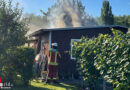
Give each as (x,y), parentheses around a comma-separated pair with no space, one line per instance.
(39,32)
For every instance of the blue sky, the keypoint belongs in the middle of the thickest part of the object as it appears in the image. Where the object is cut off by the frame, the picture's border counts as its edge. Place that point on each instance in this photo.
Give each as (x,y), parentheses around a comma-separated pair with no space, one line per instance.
(93,7)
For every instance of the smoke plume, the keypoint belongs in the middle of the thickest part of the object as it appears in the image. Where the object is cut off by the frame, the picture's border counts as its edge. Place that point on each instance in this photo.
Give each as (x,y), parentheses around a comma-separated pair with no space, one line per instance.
(67,13)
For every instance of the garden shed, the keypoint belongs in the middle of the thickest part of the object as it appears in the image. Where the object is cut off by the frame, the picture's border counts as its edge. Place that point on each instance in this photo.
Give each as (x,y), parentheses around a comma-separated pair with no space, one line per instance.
(65,38)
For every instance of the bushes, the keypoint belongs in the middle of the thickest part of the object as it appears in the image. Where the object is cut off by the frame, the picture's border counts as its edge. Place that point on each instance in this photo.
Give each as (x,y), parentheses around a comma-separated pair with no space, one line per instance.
(108,54)
(19,70)
(114,60)
(12,35)
(84,52)
(23,62)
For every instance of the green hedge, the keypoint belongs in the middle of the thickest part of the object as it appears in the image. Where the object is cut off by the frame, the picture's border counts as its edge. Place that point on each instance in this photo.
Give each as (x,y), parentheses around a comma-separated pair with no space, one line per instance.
(109,55)
(23,62)
(19,70)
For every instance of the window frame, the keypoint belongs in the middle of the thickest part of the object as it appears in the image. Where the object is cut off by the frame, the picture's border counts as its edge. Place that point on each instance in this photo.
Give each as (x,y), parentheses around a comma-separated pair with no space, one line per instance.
(71,47)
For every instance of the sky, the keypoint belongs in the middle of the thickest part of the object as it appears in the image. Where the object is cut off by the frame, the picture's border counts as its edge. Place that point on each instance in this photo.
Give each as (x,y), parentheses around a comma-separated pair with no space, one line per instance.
(93,7)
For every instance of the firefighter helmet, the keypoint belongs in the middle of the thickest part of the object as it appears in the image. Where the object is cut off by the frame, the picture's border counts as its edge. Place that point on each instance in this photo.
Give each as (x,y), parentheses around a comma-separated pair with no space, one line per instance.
(54,44)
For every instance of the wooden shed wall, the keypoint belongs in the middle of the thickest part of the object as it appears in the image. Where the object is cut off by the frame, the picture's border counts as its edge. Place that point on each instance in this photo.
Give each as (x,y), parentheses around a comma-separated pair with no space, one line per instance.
(45,38)
(67,67)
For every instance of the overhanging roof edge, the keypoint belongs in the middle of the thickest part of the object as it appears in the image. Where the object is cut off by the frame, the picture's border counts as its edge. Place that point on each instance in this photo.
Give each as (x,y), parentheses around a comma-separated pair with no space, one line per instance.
(73,28)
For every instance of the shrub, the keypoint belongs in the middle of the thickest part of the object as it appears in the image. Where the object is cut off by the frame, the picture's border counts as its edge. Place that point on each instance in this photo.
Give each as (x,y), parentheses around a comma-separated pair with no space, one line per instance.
(12,35)
(22,61)
(108,54)
(113,61)
(83,51)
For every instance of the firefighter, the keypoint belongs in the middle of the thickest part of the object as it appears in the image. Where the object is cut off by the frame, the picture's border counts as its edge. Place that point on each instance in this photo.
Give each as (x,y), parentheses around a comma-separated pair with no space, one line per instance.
(54,56)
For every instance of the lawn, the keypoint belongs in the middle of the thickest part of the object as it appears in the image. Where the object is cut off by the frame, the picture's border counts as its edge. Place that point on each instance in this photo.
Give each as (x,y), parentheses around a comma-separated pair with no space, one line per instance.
(38,85)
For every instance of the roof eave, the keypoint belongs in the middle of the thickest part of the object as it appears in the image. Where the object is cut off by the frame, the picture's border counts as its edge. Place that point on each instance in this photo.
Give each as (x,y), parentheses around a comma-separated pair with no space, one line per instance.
(41,31)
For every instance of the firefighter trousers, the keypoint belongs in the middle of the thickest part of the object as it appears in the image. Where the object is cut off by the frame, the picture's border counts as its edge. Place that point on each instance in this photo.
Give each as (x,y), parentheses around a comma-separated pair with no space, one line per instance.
(52,72)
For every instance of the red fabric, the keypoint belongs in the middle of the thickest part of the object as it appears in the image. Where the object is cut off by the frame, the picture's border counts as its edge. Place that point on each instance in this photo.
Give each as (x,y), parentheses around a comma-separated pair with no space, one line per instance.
(53,56)
(53,70)
(0,80)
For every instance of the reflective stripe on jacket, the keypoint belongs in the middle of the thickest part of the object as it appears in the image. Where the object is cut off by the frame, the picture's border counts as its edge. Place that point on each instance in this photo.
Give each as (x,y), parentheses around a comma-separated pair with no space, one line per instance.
(53,58)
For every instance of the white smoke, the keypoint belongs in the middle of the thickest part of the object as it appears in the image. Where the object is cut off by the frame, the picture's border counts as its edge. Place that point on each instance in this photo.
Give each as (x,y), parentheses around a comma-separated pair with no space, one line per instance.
(65,13)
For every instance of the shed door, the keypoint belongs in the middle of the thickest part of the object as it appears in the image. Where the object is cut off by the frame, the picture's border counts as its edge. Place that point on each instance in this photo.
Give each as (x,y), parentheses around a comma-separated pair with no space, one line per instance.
(46,48)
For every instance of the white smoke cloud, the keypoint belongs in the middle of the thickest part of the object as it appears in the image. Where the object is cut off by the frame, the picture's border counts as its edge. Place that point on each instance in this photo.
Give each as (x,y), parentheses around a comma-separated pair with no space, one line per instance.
(66,13)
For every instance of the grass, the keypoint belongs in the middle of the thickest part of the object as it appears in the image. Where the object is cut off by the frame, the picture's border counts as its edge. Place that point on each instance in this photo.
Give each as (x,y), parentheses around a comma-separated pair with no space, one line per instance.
(38,85)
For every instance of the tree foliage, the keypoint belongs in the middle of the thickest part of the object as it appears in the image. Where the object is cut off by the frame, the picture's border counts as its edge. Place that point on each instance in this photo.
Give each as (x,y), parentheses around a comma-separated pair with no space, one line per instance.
(106,13)
(37,20)
(12,30)
(84,53)
(12,33)
(113,59)
(122,20)
(20,67)
(108,54)
(23,63)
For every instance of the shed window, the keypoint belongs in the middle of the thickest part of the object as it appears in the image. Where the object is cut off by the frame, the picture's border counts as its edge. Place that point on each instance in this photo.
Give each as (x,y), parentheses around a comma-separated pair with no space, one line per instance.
(72,44)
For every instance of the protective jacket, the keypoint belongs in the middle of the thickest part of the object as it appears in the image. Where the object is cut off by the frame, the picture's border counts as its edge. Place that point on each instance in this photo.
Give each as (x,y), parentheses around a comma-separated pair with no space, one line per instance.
(54,56)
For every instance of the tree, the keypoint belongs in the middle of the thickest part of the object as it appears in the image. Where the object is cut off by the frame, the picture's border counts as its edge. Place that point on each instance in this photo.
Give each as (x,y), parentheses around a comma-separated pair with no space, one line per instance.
(122,20)
(106,13)
(12,33)
(40,21)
